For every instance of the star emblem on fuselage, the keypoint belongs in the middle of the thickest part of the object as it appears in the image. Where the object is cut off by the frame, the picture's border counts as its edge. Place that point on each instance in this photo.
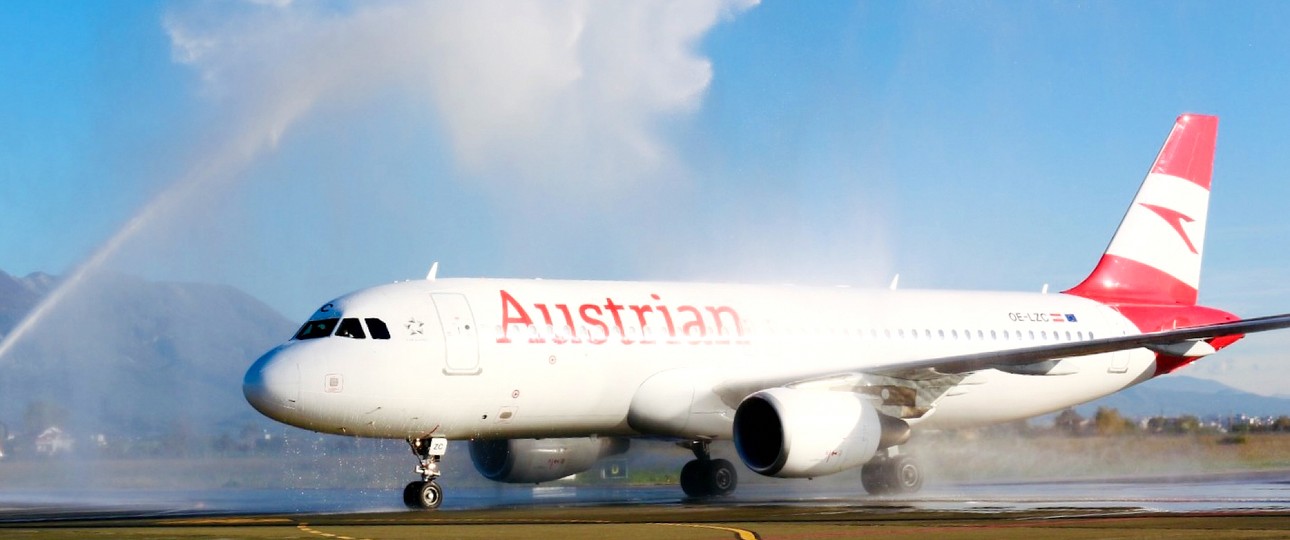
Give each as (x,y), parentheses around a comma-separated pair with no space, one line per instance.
(415,327)
(1175,219)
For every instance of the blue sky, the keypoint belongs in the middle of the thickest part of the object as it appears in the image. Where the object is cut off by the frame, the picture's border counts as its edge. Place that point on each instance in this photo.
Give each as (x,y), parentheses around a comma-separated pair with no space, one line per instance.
(960,144)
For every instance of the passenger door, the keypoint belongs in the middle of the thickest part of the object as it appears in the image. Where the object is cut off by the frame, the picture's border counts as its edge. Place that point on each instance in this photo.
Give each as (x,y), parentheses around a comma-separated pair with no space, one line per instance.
(460,336)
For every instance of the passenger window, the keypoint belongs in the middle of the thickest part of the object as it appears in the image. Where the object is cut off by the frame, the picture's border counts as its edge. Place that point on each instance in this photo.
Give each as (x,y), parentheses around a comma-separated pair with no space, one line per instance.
(317,329)
(350,328)
(377,328)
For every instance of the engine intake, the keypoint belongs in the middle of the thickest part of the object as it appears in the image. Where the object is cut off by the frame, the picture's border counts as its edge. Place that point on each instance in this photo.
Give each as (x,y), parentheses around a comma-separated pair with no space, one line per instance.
(795,433)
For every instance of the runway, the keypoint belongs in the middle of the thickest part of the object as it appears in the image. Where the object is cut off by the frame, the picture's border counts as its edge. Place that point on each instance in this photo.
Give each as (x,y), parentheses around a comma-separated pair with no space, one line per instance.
(1246,505)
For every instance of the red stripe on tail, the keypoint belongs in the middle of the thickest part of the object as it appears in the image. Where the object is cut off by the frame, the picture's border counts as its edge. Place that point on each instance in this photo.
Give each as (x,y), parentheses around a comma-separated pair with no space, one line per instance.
(1120,280)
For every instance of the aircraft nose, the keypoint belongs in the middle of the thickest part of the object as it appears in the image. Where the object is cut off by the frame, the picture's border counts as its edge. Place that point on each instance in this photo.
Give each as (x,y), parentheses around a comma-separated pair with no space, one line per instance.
(272,384)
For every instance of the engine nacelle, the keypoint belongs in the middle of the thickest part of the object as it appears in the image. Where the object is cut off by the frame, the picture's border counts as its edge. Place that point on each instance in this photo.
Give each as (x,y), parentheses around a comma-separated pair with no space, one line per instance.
(530,461)
(795,433)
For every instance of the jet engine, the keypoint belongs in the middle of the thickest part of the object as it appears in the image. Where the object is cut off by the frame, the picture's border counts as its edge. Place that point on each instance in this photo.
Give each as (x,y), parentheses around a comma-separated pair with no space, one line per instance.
(530,461)
(799,433)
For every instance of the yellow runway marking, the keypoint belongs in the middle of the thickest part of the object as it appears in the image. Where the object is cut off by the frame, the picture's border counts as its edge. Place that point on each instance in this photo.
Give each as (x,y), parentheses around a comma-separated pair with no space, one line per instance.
(741,534)
(306,528)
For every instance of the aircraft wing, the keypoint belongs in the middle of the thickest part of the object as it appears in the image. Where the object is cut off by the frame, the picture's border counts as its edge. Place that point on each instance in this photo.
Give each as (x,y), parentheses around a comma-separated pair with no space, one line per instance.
(1175,342)
(1181,342)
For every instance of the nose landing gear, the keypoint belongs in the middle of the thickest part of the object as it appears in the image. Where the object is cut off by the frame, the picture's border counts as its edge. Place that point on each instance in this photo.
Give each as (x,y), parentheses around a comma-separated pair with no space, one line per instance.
(425,494)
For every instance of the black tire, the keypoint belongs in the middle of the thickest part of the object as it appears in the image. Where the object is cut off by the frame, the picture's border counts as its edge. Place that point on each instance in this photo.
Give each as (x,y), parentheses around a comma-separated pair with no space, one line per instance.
(412,494)
(431,495)
(905,474)
(694,479)
(423,495)
(722,477)
(875,477)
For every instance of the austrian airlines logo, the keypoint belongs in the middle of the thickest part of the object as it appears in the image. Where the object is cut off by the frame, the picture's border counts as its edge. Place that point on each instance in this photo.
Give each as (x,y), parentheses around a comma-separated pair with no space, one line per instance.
(1175,219)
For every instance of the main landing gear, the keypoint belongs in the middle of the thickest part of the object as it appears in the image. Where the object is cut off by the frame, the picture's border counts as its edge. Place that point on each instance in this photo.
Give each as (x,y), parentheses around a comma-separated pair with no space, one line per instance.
(425,493)
(704,476)
(891,474)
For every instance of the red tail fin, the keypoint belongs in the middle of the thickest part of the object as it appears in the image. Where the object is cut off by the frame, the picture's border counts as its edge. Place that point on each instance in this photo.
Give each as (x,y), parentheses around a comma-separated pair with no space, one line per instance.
(1155,255)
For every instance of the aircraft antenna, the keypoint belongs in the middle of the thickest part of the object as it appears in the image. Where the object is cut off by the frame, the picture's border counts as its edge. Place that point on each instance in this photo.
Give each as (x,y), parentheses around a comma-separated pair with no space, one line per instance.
(895,281)
(434,269)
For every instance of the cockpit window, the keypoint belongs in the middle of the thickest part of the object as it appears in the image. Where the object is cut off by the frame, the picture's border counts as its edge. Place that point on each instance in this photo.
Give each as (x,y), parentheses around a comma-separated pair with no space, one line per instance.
(351,328)
(317,329)
(378,329)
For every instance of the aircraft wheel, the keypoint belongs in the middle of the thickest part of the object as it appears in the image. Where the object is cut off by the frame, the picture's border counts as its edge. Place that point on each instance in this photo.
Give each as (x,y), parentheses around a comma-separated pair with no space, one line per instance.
(423,495)
(906,475)
(722,477)
(412,494)
(694,480)
(875,478)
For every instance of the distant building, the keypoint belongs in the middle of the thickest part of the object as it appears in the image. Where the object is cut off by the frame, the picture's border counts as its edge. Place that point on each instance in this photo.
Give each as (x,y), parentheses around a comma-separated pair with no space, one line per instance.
(53,441)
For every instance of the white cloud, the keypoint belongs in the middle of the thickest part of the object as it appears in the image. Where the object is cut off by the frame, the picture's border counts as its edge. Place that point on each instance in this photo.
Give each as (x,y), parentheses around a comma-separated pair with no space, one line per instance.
(565,94)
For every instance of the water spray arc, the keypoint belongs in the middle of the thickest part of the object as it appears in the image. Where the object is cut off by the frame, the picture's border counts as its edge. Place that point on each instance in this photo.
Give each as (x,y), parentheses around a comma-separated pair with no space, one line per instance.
(221,167)
(511,85)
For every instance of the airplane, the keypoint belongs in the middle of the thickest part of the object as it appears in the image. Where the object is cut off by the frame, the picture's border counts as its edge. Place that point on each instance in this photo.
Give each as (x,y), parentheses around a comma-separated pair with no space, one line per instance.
(545,377)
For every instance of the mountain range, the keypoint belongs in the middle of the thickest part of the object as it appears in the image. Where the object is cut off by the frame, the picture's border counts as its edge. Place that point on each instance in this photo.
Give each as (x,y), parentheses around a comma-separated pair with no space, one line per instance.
(1177,395)
(132,357)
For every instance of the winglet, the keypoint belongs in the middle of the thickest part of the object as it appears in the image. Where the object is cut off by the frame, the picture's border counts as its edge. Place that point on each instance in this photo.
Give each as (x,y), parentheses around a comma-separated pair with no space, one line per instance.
(1155,255)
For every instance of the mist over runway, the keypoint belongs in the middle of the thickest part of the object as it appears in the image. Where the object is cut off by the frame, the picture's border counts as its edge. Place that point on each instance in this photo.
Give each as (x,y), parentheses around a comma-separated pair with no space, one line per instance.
(1221,492)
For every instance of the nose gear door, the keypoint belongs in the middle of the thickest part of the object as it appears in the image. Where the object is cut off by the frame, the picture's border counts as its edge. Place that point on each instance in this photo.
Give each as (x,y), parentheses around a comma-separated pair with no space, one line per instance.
(460,337)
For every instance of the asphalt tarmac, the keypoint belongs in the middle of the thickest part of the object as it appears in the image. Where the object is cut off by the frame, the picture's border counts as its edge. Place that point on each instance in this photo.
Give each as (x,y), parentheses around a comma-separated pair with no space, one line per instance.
(1247,505)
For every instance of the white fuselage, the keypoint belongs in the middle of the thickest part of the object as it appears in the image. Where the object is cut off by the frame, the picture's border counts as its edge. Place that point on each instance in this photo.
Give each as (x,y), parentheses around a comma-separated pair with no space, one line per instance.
(496,358)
